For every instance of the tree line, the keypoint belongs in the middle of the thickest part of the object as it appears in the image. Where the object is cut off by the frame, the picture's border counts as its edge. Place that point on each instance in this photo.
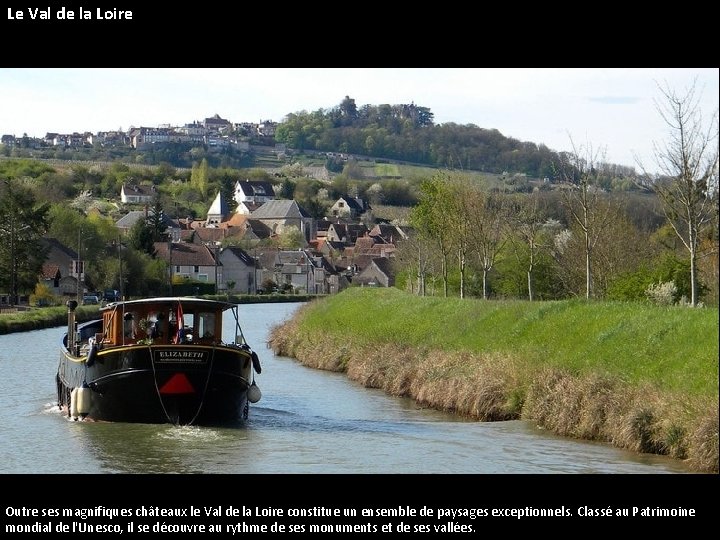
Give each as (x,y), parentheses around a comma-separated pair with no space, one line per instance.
(407,132)
(584,243)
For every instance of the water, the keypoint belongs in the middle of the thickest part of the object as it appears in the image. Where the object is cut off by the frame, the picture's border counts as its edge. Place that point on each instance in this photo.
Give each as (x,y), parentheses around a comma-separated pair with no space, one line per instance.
(308,421)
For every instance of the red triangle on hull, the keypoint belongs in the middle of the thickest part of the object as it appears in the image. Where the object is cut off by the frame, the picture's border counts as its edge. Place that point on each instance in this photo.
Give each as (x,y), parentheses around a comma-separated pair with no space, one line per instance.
(177,384)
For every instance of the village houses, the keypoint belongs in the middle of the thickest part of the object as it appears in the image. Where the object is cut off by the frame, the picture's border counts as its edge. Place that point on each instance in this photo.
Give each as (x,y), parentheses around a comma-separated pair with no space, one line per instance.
(335,252)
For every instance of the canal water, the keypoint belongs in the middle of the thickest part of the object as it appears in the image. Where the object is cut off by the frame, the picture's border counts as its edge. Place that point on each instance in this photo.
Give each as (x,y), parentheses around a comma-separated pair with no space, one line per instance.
(307,421)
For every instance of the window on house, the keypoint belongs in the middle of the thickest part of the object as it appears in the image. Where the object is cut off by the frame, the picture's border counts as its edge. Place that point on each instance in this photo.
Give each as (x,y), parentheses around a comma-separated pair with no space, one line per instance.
(196,269)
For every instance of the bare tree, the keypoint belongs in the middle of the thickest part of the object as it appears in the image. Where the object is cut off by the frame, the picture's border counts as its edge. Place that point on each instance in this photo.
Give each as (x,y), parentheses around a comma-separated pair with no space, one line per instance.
(487,218)
(529,232)
(578,169)
(415,254)
(464,203)
(688,163)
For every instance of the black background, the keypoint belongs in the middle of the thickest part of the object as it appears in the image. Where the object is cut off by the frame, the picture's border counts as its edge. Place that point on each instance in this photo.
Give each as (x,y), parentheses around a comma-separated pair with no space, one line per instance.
(378,491)
(276,35)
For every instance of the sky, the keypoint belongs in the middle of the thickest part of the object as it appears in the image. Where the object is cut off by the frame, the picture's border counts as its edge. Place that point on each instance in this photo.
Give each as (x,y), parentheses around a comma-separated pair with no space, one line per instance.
(609,110)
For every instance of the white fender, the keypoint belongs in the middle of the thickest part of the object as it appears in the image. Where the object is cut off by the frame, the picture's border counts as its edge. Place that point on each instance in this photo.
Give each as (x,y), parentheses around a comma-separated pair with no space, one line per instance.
(254,394)
(84,395)
(73,404)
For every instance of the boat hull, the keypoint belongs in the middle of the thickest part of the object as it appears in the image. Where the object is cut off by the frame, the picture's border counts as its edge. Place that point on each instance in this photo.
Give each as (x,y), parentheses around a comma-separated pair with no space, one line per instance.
(179,384)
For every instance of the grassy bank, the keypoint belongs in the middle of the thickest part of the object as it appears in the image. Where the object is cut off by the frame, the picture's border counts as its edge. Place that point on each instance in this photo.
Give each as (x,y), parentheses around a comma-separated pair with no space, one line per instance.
(638,376)
(47,317)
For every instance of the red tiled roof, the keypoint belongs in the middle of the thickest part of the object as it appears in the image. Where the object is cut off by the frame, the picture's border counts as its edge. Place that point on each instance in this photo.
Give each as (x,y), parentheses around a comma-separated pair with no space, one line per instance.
(185,254)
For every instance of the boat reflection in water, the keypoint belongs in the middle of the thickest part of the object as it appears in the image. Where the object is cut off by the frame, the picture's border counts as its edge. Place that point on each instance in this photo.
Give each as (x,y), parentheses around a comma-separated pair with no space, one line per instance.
(149,448)
(157,360)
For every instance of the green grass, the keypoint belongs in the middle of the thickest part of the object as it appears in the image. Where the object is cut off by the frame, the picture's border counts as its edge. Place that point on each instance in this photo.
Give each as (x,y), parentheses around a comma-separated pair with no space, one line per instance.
(634,375)
(674,349)
(387,169)
(47,317)
(416,172)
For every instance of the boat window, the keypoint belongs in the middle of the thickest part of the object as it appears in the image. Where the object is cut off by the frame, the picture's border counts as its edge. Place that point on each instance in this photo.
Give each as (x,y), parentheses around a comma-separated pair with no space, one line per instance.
(156,327)
(206,325)
(188,321)
(185,330)
(172,324)
(130,325)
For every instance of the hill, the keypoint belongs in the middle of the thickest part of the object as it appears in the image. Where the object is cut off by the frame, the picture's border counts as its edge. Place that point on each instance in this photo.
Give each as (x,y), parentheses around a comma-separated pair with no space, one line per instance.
(387,135)
(406,132)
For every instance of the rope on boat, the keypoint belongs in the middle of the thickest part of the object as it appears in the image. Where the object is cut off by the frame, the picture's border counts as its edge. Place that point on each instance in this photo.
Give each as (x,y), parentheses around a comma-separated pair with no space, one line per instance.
(207,383)
(202,401)
(157,389)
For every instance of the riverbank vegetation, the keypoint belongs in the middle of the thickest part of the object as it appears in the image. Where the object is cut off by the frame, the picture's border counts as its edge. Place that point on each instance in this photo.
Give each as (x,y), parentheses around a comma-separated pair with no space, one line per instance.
(639,376)
(47,317)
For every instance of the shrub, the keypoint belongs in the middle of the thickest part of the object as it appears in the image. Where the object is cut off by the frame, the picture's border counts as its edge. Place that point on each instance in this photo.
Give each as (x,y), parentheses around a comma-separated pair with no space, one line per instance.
(43,296)
(662,294)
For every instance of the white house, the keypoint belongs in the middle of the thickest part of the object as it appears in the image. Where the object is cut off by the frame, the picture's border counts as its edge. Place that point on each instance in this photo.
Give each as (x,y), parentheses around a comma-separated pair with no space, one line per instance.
(253,192)
(137,194)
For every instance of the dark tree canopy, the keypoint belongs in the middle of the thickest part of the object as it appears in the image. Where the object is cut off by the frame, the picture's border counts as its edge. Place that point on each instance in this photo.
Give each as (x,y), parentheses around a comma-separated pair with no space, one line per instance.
(23,222)
(407,132)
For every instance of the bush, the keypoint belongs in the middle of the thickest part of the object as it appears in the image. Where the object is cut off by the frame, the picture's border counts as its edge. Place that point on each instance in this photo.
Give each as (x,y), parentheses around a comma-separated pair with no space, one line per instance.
(268,286)
(630,286)
(662,294)
(43,296)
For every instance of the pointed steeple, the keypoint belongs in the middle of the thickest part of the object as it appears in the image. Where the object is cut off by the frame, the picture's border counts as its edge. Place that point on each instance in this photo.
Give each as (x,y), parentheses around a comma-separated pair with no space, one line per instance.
(218,211)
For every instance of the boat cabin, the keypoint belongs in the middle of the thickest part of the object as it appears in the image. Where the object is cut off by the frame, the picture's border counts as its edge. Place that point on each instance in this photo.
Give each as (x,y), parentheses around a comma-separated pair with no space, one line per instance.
(161,323)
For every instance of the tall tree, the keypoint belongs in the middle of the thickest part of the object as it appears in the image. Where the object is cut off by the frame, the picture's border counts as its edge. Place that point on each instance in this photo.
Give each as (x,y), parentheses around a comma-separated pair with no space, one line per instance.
(140,237)
(487,217)
(463,205)
(529,232)
(430,217)
(156,223)
(199,177)
(22,224)
(578,170)
(415,254)
(348,111)
(689,161)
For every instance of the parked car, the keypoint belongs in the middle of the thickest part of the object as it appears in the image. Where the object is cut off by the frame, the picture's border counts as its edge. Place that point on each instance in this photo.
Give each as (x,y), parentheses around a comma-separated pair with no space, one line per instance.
(111,295)
(90,299)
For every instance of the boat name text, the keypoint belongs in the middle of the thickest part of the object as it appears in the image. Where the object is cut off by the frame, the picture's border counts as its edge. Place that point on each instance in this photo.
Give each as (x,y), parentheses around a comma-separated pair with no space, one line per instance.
(181,356)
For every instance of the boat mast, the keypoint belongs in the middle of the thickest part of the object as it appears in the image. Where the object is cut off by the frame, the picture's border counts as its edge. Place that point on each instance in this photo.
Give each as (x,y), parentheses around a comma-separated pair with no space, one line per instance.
(71,305)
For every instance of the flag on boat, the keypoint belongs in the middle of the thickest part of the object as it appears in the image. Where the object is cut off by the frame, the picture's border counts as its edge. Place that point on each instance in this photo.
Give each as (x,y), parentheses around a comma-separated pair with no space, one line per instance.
(180,325)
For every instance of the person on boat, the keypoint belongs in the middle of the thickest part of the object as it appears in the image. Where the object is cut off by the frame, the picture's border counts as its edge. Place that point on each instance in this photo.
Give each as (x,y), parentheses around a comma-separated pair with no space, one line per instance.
(154,330)
(172,329)
(130,329)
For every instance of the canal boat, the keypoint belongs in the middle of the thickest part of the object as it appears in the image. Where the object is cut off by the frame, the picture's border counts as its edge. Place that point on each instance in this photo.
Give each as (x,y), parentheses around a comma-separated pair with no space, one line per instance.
(157,360)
